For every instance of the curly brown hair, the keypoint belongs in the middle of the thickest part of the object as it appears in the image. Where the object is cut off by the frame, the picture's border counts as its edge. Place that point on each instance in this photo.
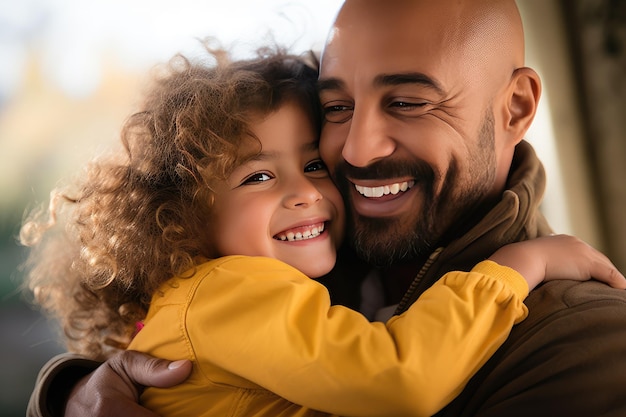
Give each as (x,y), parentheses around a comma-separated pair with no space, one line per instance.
(137,217)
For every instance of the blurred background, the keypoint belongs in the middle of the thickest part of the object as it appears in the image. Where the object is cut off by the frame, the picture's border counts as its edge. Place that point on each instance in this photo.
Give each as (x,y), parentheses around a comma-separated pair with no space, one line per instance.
(71,71)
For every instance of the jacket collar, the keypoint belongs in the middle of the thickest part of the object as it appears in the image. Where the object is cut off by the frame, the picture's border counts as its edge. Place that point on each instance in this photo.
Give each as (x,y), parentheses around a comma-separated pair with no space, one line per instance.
(515,218)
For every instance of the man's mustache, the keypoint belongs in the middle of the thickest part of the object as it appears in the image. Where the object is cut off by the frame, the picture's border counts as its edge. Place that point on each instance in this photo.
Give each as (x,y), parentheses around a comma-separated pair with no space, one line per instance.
(419,170)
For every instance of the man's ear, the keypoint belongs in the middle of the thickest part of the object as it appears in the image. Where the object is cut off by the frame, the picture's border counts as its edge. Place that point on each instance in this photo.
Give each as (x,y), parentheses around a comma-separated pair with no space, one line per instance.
(523,99)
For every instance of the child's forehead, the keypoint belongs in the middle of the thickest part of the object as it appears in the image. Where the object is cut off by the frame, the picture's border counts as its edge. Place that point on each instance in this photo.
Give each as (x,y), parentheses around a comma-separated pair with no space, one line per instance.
(277,147)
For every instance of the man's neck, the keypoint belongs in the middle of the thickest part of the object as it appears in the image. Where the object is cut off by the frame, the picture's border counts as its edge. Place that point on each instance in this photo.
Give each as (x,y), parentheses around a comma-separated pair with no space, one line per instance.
(397,279)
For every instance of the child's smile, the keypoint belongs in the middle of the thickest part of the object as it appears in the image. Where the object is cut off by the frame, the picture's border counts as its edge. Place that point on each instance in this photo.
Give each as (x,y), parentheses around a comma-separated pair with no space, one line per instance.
(301,232)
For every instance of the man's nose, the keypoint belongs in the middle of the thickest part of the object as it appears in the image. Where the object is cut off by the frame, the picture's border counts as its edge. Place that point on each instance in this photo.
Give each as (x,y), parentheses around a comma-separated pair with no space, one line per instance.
(368,138)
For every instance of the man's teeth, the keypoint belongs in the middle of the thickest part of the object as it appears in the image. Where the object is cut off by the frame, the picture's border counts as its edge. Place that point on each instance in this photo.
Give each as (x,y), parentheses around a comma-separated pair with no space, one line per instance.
(302,233)
(384,189)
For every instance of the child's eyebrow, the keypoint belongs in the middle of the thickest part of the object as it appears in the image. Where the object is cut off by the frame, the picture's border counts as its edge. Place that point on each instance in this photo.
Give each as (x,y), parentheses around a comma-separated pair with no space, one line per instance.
(269,155)
(262,156)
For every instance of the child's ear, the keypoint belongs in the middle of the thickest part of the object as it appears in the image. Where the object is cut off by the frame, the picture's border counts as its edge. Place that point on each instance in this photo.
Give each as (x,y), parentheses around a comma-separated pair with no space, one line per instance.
(522,101)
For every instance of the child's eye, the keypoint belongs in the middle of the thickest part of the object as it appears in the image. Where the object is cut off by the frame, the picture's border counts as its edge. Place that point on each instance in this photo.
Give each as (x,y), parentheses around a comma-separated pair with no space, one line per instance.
(317,165)
(256,178)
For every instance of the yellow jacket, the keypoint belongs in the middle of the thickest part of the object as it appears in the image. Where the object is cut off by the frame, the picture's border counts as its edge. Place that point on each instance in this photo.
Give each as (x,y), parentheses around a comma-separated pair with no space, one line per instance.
(263,337)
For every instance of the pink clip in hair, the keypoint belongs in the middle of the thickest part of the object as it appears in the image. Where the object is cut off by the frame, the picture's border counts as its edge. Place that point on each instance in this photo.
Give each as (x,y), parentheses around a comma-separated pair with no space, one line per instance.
(138,326)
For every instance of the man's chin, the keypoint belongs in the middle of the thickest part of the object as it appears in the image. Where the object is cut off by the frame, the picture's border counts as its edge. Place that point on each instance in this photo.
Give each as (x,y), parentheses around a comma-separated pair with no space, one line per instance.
(384,241)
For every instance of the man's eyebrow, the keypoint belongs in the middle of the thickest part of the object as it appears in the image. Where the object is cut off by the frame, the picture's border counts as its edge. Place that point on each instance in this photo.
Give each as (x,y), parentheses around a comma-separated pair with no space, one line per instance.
(310,146)
(409,78)
(386,80)
(330,84)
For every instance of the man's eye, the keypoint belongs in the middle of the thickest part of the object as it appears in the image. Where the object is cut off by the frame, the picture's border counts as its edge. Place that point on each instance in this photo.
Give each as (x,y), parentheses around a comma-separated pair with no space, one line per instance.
(256,178)
(338,113)
(408,105)
(314,166)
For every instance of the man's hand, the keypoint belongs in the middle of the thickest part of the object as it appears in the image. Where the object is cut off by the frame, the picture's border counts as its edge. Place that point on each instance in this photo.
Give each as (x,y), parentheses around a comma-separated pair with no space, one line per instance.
(114,388)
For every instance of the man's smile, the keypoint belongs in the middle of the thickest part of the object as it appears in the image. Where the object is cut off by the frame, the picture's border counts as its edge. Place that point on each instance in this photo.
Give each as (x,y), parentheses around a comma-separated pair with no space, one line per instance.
(382,199)
(383,190)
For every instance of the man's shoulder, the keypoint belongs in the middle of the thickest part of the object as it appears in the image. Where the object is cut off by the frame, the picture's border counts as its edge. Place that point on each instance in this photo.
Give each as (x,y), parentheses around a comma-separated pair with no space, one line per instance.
(566,358)
(572,307)
(561,296)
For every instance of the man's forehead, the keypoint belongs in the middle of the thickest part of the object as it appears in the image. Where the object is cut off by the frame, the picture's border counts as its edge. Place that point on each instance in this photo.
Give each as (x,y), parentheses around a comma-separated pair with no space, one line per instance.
(433,30)
(381,63)
(401,37)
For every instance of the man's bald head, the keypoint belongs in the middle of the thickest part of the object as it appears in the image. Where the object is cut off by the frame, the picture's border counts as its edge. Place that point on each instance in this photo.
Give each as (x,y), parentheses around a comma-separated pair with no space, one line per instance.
(486,35)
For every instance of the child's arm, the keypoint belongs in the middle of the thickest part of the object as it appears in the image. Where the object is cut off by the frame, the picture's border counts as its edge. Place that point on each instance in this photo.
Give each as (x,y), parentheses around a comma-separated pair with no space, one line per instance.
(558,257)
(276,330)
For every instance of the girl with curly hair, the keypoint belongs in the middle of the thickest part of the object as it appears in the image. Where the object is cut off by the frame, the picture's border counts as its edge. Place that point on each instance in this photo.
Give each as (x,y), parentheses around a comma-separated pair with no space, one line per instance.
(206,229)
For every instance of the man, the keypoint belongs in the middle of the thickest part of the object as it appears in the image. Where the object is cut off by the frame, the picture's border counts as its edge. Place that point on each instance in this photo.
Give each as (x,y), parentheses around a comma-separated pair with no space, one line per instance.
(426,105)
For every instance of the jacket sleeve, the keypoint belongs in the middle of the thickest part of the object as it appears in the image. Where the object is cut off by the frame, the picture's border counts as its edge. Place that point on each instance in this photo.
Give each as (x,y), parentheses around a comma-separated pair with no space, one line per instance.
(54,383)
(568,358)
(275,328)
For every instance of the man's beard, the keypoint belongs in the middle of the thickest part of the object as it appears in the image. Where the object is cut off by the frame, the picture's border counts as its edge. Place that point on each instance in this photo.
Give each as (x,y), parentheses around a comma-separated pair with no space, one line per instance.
(384,241)
(381,242)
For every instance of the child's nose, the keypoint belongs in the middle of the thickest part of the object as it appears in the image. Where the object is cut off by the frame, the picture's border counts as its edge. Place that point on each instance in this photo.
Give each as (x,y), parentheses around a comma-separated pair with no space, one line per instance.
(302,193)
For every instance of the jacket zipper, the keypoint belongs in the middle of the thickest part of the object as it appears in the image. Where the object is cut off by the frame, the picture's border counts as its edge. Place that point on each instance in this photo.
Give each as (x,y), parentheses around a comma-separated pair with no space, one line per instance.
(408,295)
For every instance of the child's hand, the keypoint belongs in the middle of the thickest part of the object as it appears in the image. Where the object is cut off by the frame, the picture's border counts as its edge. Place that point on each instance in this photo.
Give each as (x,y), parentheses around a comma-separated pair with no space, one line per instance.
(558,257)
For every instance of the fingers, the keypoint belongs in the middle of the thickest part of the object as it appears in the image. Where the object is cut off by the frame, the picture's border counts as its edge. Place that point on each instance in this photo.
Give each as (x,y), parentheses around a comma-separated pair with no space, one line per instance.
(602,269)
(559,257)
(109,407)
(103,393)
(598,265)
(145,370)
(606,272)
(113,389)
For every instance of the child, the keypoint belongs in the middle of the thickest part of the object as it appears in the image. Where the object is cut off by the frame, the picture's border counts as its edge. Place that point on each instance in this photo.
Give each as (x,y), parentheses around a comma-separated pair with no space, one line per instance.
(222,188)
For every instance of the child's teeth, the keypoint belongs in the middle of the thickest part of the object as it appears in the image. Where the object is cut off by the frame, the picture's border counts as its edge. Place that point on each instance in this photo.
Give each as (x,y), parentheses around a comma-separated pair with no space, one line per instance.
(303,234)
